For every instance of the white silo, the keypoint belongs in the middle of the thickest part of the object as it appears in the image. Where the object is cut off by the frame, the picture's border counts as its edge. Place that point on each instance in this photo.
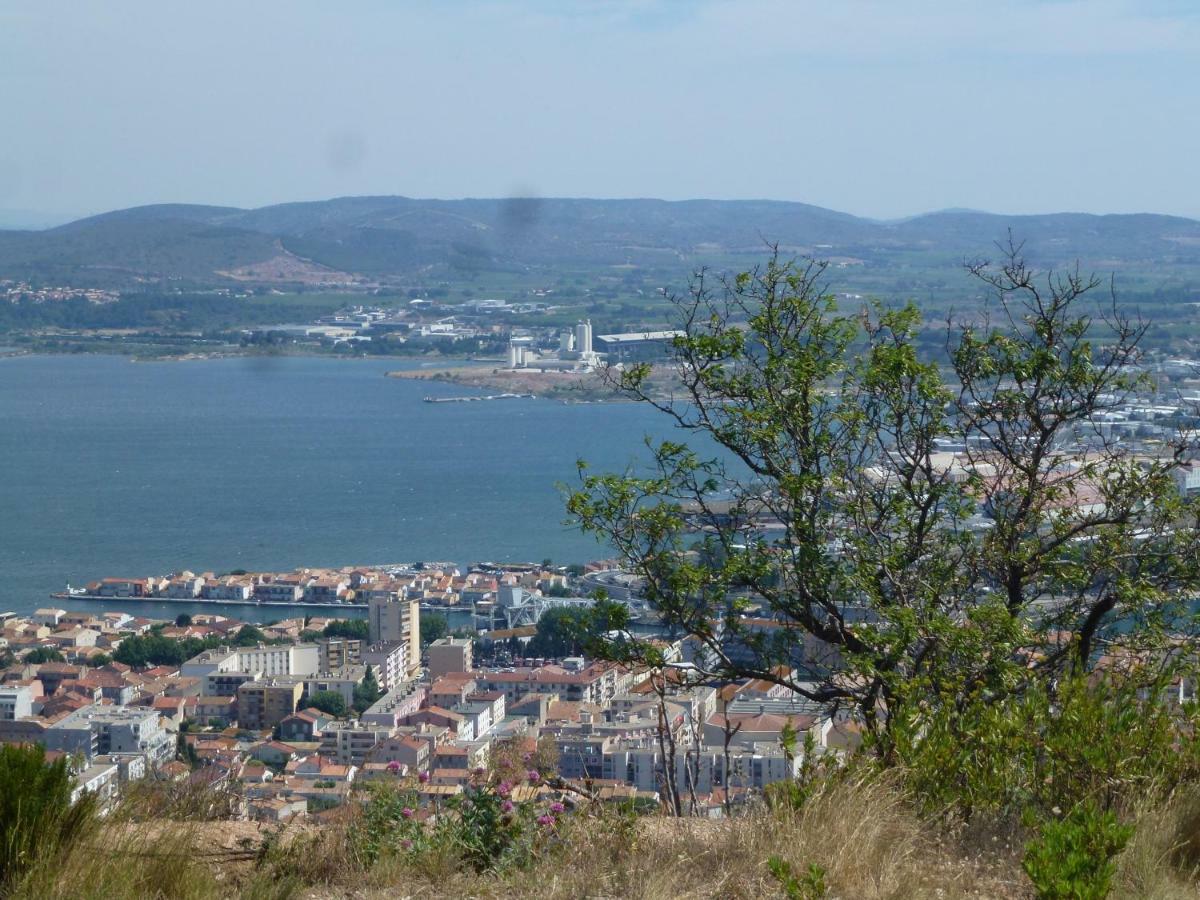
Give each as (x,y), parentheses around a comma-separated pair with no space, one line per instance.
(566,342)
(583,336)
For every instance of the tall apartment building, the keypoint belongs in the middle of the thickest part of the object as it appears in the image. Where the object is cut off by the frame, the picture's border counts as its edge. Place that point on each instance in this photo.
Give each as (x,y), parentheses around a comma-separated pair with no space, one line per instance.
(450,655)
(393,618)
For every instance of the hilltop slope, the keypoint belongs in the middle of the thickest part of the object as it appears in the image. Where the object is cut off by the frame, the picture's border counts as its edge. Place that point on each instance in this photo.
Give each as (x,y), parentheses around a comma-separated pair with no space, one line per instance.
(381,238)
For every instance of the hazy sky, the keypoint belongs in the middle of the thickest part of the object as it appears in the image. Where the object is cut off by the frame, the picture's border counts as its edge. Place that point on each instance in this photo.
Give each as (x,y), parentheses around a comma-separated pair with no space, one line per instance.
(877,108)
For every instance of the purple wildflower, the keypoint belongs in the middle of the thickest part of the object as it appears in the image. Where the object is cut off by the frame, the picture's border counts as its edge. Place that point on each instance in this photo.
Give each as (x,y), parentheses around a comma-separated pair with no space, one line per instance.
(534,776)
(406,812)
(506,806)
(504,789)
(423,777)
(547,821)
(557,808)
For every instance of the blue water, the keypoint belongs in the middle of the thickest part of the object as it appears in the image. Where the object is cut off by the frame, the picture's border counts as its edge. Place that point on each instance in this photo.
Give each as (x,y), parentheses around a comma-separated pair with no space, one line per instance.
(118,468)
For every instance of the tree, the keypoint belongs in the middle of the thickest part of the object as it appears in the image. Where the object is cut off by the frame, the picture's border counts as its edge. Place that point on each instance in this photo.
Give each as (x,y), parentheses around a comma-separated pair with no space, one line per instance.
(249,636)
(43,655)
(367,691)
(434,627)
(330,702)
(183,620)
(559,632)
(893,582)
(353,629)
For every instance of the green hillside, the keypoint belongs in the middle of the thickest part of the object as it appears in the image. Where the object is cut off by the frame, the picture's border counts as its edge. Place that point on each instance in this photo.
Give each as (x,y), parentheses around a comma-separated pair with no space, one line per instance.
(382,239)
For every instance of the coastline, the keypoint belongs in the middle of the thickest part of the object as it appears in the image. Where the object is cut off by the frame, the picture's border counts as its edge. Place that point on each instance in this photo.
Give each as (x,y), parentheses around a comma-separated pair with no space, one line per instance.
(567,387)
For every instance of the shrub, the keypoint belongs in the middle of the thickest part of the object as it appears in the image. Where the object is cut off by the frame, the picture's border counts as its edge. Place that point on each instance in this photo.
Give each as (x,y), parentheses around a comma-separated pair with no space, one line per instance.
(808,886)
(37,817)
(1072,858)
(388,824)
(1038,751)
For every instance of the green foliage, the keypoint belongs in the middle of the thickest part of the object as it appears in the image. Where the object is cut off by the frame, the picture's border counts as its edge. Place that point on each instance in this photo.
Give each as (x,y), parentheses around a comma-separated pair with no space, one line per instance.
(482,827)
(43,655)
(560,632)
(876,584)
(154,649)
(1037,752)
(183,619)
(388,824)
(808,886)
(493,833)
(353,629)
(367,692)
(1072,858)
(37,818)
(434,627)
(330,702)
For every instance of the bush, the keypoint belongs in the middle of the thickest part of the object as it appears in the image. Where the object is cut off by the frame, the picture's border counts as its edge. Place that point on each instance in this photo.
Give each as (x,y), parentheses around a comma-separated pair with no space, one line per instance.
(1037,752)
(388,824)
(37,818)
(1072,858)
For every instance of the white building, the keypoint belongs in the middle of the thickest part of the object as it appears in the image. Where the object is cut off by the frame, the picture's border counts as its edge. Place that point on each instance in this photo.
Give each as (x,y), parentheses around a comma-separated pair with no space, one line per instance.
(96,729)
(16,702)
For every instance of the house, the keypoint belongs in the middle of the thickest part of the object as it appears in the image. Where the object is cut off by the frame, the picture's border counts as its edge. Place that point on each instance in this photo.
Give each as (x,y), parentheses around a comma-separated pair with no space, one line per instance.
(277,809)
(410,752)
(304,725)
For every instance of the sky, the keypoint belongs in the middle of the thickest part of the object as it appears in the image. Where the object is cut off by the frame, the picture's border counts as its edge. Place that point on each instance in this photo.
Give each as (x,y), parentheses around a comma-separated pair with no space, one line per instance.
(882,108)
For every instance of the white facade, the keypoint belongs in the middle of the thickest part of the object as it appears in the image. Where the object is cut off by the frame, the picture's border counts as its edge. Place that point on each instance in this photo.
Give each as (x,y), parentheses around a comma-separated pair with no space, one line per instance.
(16,702)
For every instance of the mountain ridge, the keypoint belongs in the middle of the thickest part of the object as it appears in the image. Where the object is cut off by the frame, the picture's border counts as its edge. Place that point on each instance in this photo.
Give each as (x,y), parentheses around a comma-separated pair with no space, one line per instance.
(382,237)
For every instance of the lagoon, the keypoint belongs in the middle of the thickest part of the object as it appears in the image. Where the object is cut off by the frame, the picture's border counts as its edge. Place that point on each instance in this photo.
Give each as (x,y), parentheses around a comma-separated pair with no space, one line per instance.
(113,467)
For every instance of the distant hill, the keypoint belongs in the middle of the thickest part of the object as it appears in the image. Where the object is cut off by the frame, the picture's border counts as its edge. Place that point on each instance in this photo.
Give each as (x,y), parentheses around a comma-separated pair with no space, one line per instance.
(381,239)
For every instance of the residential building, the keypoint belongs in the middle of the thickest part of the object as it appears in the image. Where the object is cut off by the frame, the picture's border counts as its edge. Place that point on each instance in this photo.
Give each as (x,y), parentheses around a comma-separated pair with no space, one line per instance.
(450,655)
(392,618)
(264,704)
(16,701)
(97,729)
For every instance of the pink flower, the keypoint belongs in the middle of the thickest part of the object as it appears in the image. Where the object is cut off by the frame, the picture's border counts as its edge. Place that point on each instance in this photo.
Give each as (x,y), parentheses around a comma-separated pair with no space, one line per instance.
(407,845)
(557,808)
(547,821)
(504,789)
(393,766)
(506,806)
(533,776)
(479,770)
(406,812)
(423,777)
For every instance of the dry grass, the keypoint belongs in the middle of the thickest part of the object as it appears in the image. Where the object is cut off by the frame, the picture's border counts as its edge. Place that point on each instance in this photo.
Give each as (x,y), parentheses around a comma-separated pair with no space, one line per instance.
(1162,859)
(861,832)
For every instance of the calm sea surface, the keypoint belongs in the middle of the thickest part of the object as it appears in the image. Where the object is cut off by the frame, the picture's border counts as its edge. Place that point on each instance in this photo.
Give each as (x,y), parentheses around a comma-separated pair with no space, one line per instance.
(111,467)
